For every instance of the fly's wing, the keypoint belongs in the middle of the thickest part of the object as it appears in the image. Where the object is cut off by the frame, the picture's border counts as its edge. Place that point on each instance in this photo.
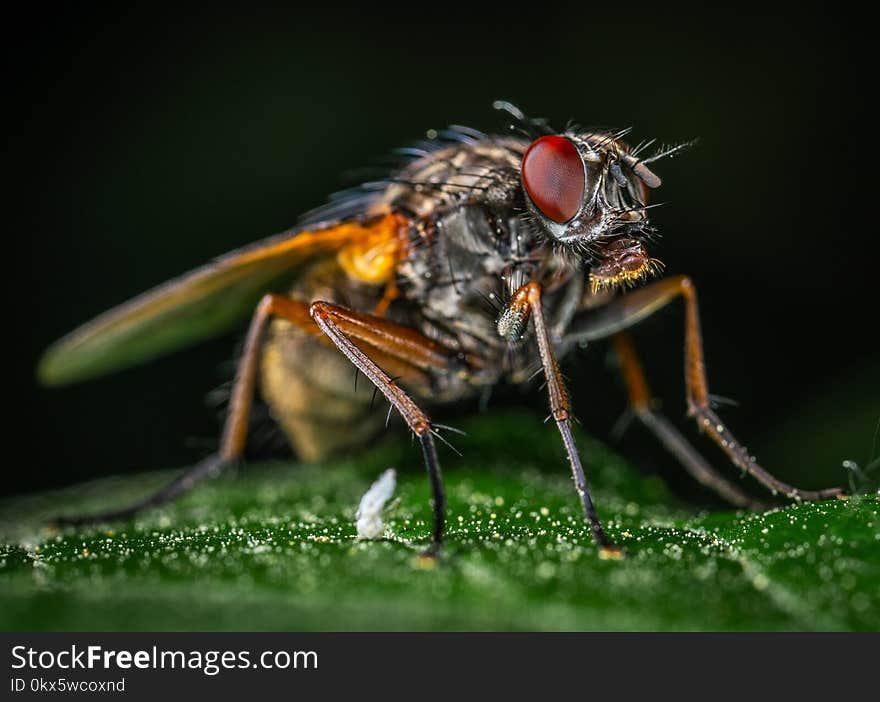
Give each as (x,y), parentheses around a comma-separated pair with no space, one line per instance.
(196,305)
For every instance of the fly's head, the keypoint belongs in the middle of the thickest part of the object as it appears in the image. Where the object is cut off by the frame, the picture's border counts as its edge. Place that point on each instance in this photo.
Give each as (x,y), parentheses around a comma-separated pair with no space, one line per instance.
(588,194)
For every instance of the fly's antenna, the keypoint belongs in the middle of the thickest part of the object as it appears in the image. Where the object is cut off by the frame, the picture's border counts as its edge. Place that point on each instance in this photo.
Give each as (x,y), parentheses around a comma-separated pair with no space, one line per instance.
(645,174)
(669,151)
(617,174)
(639,165)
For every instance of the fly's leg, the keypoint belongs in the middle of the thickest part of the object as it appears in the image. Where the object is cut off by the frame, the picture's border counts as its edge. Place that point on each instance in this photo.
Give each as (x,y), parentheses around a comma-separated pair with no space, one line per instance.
(207,467)
(234,429)
(527,302)
(641,402)
(341,325)
(632,308)
(405,350)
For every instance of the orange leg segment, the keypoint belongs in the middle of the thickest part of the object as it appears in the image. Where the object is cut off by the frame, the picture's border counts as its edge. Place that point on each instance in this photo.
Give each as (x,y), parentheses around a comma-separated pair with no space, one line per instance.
(630,309)
(642,404)
(413,354)
(526,302)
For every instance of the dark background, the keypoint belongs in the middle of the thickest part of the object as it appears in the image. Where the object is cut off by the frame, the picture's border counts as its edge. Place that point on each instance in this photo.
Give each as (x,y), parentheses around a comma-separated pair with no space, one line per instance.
(143,144)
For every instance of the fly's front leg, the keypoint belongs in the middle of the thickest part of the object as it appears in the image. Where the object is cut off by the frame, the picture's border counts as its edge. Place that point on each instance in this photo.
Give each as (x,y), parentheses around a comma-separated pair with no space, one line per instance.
(642,404)
(527,302)
(632,308)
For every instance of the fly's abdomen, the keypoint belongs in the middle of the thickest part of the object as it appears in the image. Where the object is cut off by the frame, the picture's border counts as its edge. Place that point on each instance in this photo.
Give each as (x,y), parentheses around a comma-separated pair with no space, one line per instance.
(309,387)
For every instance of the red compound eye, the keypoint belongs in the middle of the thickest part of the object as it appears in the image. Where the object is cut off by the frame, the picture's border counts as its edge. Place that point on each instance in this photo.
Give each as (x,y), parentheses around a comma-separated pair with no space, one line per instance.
(553,174)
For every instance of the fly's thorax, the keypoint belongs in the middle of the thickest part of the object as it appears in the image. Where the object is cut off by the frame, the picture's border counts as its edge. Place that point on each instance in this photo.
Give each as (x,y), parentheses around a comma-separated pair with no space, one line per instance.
(448,278)
(468,257)
(484,172)
(326,280)
(459,279)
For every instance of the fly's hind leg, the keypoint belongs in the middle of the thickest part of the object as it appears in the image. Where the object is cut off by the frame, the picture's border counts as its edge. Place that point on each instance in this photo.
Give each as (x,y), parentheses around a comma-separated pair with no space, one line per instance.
(206,468)
(410,354)
(234,430)
(632,308)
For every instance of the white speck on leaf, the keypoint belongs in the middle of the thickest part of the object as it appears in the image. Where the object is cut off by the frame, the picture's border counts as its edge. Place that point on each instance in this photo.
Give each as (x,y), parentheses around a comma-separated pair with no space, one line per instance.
(369,512)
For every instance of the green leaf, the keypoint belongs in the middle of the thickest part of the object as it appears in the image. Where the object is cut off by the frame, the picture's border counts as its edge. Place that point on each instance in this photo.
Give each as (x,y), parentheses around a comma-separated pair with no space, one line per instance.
(275,548)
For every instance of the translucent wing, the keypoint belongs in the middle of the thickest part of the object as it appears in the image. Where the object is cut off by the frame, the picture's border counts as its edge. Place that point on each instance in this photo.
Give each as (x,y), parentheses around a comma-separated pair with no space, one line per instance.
(196,305)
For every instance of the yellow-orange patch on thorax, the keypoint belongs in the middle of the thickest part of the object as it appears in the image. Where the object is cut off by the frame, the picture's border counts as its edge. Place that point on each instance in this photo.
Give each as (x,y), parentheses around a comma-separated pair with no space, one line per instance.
(374,251)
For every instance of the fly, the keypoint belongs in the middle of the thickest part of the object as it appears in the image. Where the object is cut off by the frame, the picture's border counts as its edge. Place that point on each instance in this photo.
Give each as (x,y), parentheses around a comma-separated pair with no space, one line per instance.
(394,278)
